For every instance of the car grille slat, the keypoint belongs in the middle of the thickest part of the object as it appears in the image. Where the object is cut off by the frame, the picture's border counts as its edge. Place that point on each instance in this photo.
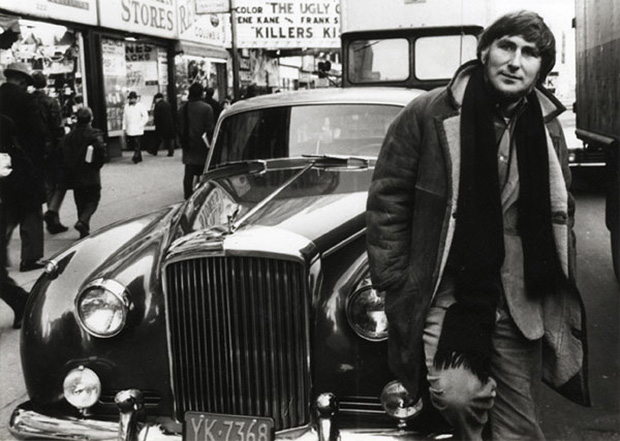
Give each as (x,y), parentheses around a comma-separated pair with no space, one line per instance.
(239,337)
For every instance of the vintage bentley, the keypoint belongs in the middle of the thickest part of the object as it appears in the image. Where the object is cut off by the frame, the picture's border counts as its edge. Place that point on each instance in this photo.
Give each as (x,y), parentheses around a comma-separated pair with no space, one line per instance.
(245,313)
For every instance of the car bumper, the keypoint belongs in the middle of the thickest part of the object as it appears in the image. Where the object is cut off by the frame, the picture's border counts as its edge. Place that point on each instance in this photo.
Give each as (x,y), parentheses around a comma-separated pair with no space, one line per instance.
(26,423)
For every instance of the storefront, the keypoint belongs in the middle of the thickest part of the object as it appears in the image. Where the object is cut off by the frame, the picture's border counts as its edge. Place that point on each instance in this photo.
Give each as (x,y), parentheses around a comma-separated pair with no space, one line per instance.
(200,54)
(50,37)
(136,48)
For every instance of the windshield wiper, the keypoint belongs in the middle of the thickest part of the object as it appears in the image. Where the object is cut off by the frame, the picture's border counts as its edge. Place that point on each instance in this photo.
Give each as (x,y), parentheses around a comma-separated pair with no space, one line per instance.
(337,160)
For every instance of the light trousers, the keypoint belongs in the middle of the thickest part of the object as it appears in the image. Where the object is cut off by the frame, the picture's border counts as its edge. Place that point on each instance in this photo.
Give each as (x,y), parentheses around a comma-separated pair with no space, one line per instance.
(506,403)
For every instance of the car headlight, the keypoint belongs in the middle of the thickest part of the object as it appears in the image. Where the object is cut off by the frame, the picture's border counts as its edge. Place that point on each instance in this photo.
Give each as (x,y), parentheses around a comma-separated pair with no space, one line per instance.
(398,403)
(82,388)
(366,313)
(102,307)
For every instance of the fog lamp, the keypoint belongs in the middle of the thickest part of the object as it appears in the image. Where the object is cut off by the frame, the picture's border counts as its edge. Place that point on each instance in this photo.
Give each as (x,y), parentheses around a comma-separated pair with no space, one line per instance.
(102,308)
(366,313)
(399,403)
(82,388)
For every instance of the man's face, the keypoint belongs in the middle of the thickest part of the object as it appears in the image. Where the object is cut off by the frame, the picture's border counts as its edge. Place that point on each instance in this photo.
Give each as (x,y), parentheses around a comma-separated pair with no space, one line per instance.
(512,66)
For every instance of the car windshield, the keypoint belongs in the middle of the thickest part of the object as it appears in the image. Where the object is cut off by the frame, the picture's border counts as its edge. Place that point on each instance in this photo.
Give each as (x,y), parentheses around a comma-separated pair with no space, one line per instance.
(293,131)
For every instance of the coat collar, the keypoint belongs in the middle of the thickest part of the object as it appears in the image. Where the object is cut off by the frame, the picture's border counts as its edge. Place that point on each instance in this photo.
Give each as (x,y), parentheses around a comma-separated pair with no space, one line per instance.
(549,104)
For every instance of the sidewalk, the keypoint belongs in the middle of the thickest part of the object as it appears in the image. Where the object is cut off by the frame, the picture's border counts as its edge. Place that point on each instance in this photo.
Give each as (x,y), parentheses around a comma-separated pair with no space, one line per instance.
(128,189)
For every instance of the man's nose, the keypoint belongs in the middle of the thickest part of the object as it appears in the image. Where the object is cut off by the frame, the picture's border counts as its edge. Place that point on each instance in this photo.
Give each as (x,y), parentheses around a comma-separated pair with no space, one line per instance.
(515,60)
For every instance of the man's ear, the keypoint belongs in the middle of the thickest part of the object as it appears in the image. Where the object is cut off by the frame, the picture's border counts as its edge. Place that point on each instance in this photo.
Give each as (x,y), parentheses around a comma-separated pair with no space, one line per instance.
(484,55)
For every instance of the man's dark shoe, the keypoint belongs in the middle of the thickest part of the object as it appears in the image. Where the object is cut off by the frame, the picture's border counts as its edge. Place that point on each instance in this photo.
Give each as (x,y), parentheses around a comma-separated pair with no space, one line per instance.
(82,228)
(29,265)
(52,222)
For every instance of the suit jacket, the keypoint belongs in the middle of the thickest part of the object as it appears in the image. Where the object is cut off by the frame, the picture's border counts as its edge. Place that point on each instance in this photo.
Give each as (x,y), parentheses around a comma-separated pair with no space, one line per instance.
(411,218)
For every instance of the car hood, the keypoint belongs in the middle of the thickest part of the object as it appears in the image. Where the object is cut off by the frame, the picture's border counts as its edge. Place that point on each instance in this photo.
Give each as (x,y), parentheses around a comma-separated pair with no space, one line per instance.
(319,201)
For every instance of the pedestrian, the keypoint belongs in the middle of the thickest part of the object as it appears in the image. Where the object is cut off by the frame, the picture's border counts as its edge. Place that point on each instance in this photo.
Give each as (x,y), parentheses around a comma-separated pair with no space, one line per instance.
(10,292)
(470,237)
(24,189)
(135,118)
(54,130)
(195,126)
(164,124)
(215,105)
(84,154)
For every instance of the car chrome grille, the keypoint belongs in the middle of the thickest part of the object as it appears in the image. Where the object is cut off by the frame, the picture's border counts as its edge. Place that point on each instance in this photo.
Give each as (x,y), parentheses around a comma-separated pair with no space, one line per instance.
(239,337)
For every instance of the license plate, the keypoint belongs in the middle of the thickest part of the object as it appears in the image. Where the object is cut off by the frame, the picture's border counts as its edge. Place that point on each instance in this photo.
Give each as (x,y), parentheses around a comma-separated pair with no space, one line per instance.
(202,426)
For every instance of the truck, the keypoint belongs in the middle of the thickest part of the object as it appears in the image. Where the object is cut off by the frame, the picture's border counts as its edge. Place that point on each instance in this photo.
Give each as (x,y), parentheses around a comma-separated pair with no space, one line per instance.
(411,43)
(597,34)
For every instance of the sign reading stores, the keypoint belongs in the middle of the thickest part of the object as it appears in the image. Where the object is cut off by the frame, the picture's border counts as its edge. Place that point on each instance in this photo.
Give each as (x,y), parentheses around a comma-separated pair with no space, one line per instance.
(294,23)
(150,17)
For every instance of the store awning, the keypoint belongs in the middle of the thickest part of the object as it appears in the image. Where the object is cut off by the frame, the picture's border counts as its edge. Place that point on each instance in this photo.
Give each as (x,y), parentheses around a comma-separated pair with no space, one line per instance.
(200,50)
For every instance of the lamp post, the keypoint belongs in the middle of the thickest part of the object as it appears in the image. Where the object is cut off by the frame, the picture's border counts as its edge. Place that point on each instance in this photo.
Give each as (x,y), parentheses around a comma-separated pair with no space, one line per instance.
(235,55)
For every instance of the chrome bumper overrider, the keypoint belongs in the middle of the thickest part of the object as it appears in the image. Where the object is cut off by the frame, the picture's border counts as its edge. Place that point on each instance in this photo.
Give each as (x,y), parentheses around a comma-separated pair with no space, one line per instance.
(26,423)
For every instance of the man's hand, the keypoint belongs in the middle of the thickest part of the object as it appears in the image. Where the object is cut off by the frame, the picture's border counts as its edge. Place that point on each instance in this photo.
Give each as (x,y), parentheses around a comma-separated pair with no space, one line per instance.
(5,165)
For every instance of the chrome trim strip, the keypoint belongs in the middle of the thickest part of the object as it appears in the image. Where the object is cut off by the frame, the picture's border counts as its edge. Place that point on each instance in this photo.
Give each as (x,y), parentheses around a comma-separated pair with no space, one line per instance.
(344,243)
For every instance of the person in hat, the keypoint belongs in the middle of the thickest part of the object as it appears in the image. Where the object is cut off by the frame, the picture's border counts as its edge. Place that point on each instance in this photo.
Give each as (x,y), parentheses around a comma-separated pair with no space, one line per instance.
(23,191)
(164,124)
(84,153)
(135,118)
(50,111)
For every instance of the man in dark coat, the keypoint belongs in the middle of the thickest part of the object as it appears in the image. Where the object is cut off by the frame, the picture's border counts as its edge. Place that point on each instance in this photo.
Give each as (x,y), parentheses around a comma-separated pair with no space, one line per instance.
(10,292)
(54,130)
(24,189)
(164,124)
(215,105)
(84,154)
(195,125)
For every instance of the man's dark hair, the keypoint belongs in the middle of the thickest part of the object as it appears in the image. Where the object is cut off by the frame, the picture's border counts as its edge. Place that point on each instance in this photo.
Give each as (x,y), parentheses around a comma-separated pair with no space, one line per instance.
(84,115)
(39,80)
(158,95)
(210,92)
(528,25)
(195,91)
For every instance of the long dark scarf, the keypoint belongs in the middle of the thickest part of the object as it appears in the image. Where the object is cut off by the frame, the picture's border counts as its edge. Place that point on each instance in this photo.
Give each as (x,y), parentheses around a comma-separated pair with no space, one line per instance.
(477,251)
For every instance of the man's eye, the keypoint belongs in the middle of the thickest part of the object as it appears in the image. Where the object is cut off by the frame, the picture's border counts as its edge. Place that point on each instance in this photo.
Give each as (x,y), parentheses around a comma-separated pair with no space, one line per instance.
(505,45)
(531,52)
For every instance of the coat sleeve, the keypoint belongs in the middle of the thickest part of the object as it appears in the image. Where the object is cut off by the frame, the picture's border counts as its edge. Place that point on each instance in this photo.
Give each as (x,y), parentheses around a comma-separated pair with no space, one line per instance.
(391,201)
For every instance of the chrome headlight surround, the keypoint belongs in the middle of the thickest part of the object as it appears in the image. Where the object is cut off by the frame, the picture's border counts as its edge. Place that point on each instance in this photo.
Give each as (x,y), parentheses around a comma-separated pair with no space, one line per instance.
(366,312)
(101,307)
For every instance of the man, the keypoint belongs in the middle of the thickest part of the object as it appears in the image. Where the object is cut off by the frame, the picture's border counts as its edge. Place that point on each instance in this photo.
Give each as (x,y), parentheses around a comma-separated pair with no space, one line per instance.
(135,118)
(164,124)
(195,125)
(12,294)
(54,130)
(24,190)
(470,236)
(84,153)
(215,105)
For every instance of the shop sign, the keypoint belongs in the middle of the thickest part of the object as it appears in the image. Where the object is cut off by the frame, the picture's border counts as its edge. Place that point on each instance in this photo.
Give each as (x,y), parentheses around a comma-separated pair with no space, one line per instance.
(212,6)
(77,11)
(149,17)
(201,28)
(287,24)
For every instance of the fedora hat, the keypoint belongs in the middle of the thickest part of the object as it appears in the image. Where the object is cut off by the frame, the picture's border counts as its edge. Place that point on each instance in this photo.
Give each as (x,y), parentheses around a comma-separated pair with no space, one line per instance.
(132,94)
(19,69)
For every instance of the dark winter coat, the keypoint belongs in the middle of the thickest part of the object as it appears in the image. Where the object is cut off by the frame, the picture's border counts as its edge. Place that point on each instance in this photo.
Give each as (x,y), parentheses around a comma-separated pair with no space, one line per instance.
(411,219)
(194,119)
(78,172)
(25,185)
(163,119)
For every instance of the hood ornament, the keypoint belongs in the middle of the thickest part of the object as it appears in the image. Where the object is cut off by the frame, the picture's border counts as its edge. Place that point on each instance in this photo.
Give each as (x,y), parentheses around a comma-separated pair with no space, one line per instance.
(232,218)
